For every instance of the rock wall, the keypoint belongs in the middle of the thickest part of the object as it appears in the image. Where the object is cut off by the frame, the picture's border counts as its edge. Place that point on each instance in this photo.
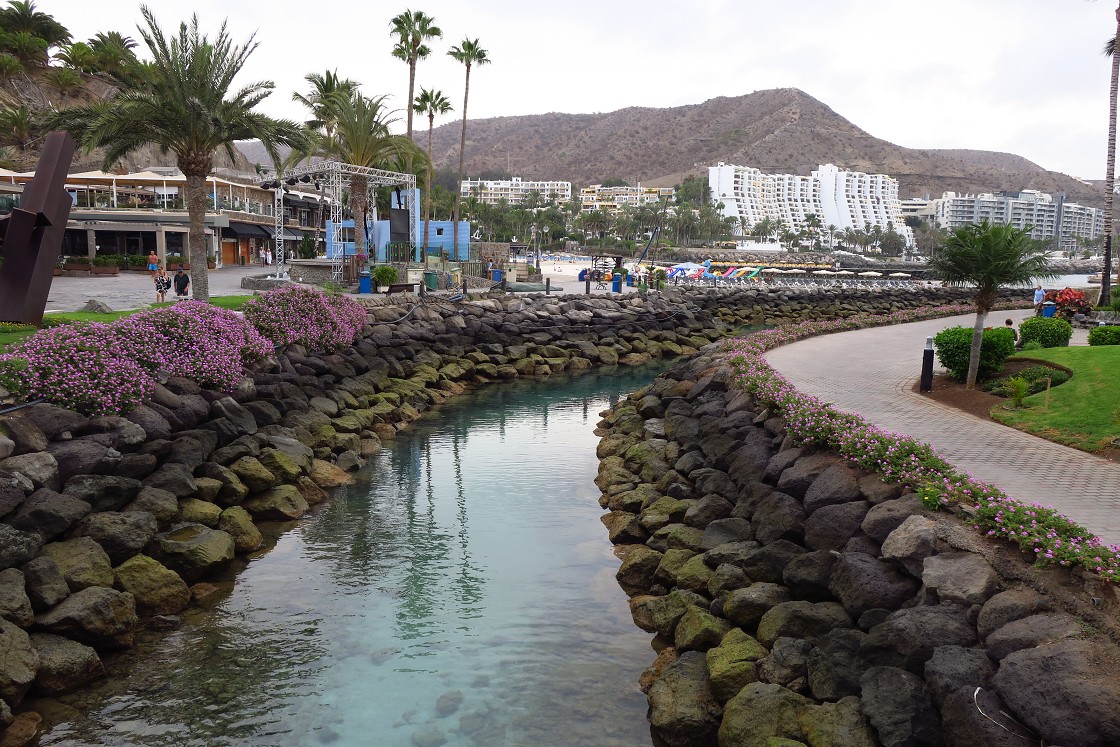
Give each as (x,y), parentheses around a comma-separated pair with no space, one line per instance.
(111,523)
(798,601)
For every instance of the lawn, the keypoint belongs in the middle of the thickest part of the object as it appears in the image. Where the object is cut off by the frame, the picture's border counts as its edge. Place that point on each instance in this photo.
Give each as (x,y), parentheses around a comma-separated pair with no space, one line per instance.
(11,334)
(1085,411)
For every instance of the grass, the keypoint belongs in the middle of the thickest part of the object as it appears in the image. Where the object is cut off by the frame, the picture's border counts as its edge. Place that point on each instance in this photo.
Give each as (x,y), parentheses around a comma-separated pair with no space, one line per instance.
(1085,411)
(12,334)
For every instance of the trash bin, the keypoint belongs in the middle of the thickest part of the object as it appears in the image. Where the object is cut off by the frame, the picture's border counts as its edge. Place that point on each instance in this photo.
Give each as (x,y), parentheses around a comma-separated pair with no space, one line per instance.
(630,280)
(431,280)
(1049,308)
(364,284)
(616,283)
(496,276)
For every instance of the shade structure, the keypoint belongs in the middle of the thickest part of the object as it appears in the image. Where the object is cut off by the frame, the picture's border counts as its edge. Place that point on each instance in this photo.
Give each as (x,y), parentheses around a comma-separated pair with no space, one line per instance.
(774,270)
(823,272)
(899,275)
(871,274)
(687,266)
(795,271)
(845,272)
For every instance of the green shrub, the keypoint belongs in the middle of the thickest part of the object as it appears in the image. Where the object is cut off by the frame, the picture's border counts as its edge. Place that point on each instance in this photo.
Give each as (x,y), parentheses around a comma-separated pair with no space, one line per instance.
(1104,336)
(1017,390)
(955,344)
(1037,379)
(384,275)
(1050,333)
(108,260)
(1031,345)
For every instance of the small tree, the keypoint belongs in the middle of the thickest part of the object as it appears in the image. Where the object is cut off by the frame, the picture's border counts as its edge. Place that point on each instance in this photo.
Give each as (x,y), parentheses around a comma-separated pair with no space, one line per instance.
(988,256)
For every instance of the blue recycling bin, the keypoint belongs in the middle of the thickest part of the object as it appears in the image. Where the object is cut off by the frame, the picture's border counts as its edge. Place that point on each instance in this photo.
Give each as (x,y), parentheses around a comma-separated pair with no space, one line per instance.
(496,276)
(1049,308)
(630,281)
(616,283)
(364,284)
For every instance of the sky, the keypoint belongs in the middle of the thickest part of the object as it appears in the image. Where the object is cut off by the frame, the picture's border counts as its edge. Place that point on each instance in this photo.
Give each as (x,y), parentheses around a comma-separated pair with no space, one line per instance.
(1025,77)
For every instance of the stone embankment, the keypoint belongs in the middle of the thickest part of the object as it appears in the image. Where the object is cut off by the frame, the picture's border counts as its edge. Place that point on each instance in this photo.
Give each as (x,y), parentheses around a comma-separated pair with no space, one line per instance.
(110,524)
(798,601)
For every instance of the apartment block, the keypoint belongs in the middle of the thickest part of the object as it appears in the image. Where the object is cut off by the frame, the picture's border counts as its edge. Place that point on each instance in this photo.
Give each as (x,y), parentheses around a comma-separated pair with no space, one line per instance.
(1047,216)
(614,199)
(514,190)
(845,199)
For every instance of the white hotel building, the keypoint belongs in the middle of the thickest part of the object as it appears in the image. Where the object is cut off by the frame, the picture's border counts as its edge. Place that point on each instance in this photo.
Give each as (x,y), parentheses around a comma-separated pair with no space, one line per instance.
(1047,216)
(845,199)
(614,199)
(514,190)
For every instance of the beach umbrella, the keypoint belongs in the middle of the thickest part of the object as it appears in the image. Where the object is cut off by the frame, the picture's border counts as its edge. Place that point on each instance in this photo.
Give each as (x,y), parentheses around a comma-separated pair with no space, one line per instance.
(899,275)
(871,274)
(687,266)
(795,271)
(845,272)
(774,270)
(823,272)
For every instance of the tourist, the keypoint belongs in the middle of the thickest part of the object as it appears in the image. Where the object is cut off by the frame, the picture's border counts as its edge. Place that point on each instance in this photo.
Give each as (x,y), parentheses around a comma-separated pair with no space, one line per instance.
(268,257)
(1010,324)
(182,284)
(153,262)
(1039,297)
(163,284)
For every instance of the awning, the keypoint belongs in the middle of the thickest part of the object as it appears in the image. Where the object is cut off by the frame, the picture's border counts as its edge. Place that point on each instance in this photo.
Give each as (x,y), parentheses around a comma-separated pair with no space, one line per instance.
(247,231)
(296,202)
(292,235)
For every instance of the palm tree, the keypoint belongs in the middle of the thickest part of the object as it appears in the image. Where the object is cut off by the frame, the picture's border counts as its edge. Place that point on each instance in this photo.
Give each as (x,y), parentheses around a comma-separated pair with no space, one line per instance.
(21,16)
(430,103)
(412,29)
(469,53)
(1110,164)
(324,87)
(189,110)
(988,256)
(362,138)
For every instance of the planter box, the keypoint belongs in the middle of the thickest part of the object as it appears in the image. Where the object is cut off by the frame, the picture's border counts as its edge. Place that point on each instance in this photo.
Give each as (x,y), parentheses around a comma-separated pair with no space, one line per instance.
(77,267)
(105,270)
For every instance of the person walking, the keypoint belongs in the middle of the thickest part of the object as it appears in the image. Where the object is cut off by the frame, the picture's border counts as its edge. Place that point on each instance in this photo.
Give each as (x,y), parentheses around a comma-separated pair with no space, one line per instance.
(163,284)
(182,284)
(1039,297)
(153,262)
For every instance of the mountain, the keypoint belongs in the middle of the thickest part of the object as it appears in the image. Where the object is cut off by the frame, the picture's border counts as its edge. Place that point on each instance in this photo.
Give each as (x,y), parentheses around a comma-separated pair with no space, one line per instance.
(778,131)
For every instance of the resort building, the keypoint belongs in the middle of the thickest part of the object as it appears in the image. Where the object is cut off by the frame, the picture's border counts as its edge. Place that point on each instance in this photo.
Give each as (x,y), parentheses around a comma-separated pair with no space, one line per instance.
(1048,217)
(514,190)
(614,199)
(844,199)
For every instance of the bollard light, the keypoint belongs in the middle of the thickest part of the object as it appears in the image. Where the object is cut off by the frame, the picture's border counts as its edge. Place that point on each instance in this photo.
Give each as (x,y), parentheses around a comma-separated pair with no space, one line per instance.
(925,384)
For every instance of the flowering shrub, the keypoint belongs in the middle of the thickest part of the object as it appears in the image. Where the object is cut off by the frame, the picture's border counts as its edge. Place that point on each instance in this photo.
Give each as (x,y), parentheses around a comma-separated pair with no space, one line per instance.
(308,316)
(188,343)
(83,367)
(1051,536)
(230,325)
(1069,302)
(954,346)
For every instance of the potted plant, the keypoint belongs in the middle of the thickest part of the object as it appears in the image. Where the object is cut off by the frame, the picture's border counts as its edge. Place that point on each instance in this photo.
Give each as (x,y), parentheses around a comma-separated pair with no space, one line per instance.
(383,277)
(78,264)
(106,264)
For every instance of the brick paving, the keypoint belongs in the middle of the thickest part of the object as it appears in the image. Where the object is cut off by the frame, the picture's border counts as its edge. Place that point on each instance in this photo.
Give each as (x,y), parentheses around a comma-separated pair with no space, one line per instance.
(133,290)
(871,372)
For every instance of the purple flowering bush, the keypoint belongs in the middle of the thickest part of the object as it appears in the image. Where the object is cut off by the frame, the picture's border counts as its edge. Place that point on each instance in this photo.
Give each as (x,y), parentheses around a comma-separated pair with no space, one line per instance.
(1052,537)
(83,367)
(307,316)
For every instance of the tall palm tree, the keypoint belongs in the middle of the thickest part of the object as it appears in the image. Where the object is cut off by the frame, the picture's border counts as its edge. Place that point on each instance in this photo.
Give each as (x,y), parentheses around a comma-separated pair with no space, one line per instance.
(412,28)
(324,87)
(1110,164)
(988,256)
(469,53)
(430,103)
(362,138)
(21,16)
(189,110)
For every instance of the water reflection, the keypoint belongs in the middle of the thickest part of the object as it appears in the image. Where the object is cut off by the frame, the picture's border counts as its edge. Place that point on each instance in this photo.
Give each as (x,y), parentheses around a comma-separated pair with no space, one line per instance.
(462,590)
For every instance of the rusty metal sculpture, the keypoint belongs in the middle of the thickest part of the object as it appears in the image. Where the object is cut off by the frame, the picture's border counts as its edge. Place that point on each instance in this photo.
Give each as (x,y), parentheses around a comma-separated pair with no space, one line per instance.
(33,235)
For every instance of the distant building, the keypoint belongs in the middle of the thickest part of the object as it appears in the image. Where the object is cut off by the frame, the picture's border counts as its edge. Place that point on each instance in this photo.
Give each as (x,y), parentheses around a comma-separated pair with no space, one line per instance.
(844,199)
(614,199)
(1048,217)
(514,190)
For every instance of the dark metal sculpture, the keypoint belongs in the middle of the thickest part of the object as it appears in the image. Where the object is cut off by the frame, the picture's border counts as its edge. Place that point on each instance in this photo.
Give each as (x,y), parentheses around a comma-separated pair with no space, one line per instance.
(33,235)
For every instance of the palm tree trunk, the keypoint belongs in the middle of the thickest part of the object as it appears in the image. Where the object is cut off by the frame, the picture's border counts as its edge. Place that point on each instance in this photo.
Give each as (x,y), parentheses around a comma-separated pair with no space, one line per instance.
(411,93)
(1110,174)
(462,155)
(428,189)
(196,252)
(359,204)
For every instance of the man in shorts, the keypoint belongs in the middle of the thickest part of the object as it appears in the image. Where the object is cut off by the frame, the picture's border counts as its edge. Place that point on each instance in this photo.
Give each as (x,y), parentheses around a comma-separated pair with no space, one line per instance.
(153,263)
(182,283)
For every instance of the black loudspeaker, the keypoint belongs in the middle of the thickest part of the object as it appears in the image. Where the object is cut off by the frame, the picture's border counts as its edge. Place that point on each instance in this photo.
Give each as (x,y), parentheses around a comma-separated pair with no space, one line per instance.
(399,223)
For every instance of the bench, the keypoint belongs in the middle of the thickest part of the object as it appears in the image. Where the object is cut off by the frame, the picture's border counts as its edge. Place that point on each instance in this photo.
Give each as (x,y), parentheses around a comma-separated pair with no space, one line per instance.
(401,288)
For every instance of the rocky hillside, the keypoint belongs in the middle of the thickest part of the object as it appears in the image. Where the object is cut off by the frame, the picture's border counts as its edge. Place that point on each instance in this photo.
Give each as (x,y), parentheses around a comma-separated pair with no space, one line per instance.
(782,130)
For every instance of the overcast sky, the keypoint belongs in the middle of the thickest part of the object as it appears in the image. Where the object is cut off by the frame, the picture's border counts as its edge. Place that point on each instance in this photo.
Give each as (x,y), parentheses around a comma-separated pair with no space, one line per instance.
(1024,77)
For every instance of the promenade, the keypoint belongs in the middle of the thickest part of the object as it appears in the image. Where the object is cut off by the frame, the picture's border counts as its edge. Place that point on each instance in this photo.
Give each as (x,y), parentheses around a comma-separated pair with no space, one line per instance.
(871,372)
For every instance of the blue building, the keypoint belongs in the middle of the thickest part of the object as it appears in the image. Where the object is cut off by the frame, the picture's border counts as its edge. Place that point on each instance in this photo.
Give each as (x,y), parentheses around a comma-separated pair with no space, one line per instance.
(441,238)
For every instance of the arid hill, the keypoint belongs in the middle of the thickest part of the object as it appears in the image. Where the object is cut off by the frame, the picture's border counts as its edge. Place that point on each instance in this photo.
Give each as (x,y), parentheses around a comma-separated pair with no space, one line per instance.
(779,131)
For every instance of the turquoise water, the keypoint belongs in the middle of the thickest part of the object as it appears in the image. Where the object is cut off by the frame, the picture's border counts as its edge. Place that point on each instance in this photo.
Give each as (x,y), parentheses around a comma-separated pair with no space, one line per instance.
(462,591)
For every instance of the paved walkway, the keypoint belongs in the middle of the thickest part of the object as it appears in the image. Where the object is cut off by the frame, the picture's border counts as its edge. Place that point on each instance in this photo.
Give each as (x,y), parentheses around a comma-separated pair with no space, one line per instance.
(871,372)
(132,290)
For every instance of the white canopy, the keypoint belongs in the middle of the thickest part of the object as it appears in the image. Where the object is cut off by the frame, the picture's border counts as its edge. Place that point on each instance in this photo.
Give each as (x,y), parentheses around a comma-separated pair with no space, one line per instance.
(871,274)
(687,266)
(823,272)
(795,271)
(774,270)
(845,272)
(899,275)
